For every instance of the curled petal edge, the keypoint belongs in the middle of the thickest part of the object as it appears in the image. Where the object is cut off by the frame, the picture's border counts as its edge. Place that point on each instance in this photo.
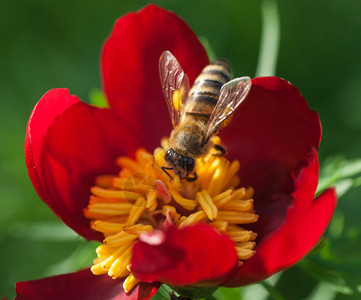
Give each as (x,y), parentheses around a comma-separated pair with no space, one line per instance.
(304,224)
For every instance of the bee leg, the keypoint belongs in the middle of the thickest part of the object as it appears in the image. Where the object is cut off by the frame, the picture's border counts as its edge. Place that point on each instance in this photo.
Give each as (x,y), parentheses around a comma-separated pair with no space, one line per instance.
(165,171)
(191,179)
(220,150)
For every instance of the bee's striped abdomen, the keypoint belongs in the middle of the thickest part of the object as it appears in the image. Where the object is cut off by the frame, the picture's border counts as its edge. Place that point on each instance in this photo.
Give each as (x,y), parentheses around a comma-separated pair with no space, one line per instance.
(204,94)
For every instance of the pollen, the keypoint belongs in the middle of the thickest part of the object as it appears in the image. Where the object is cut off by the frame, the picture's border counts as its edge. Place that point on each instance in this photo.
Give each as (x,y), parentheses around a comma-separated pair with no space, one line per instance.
(142,198)
(177,98)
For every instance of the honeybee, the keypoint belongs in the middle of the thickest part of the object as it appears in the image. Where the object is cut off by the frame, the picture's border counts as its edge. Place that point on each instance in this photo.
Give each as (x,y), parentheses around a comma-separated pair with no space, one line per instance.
(197,113)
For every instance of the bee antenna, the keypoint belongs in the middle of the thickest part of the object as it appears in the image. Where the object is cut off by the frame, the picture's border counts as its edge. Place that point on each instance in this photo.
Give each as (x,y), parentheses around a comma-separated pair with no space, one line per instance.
(166,172)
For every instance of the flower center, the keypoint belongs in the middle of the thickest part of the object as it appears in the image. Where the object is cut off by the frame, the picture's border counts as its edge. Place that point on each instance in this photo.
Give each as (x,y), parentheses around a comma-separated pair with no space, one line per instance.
(142,198)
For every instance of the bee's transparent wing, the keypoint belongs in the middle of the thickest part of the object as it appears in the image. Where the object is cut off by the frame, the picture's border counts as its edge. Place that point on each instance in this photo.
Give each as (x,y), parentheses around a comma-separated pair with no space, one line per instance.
(175,85)
(231,95)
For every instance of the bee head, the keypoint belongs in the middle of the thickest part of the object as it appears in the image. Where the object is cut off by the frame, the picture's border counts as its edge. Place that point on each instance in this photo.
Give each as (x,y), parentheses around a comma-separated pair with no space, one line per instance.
(182,165)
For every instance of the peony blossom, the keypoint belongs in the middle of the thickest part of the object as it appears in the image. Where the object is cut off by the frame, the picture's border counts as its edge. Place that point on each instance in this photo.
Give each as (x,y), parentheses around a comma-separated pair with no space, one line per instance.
(271,143)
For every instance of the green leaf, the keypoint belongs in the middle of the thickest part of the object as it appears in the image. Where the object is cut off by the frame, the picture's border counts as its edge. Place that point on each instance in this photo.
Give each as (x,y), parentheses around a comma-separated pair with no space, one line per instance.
(193,293)
(339,172)
(228,293)
(163,292)
(270,39)
(337,224)
(322,291)
(196,293)
(97,98)
(321,271)
(81,257)
(43,231)
(274,293)
(320,245)
(207,45)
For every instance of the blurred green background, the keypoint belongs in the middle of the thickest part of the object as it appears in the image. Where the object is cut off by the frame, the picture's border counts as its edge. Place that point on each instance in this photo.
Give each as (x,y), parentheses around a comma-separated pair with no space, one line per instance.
(47,44)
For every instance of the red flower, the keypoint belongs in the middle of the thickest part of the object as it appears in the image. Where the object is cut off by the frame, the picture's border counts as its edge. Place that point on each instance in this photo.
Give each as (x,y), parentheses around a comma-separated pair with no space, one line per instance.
(275,137)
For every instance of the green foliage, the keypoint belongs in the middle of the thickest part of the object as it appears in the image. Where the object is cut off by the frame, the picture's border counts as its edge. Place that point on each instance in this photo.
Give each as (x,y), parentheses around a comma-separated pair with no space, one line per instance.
(97,98)
(328,273)
(210,51)
(270,39)
(165,291)
(228,293)
(273,292)
(341,173)
(318,50)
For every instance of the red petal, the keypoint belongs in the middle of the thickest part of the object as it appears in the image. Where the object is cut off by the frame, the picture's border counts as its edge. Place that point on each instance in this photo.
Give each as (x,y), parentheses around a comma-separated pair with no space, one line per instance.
(130,68)
(272,132)
(37,127)
(66,152)
(182,257)
(81,285)
(304,223)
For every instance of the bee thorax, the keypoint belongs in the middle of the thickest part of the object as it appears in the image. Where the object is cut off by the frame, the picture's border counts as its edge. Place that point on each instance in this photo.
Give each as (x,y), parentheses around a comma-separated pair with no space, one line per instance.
(188,140)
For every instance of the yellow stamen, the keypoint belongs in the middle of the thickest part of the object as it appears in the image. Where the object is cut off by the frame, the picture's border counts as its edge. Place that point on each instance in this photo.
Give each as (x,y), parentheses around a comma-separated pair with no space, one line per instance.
(151,196)
(220,225)
(142,156)
(107,263)
(244,254)
(117,207)
(104,251)
(193,219)
(142,198)
(180,220)
(108,227)
(223,198)
(246,245)
(207,204)
(136,211)
(129,164)
(186,203)
(98,269)
(94,199)
(249,192)
(138,228)
(119,266)
(216,183)
(101,213)
(117,219)
(131,184)
(241,235)
(104,210)
(129,283)
(223,195)
(104,181)
(119,239)
(113,193)
(206,172)
(239,205)
(240,193)
(232,171)
(237,217)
